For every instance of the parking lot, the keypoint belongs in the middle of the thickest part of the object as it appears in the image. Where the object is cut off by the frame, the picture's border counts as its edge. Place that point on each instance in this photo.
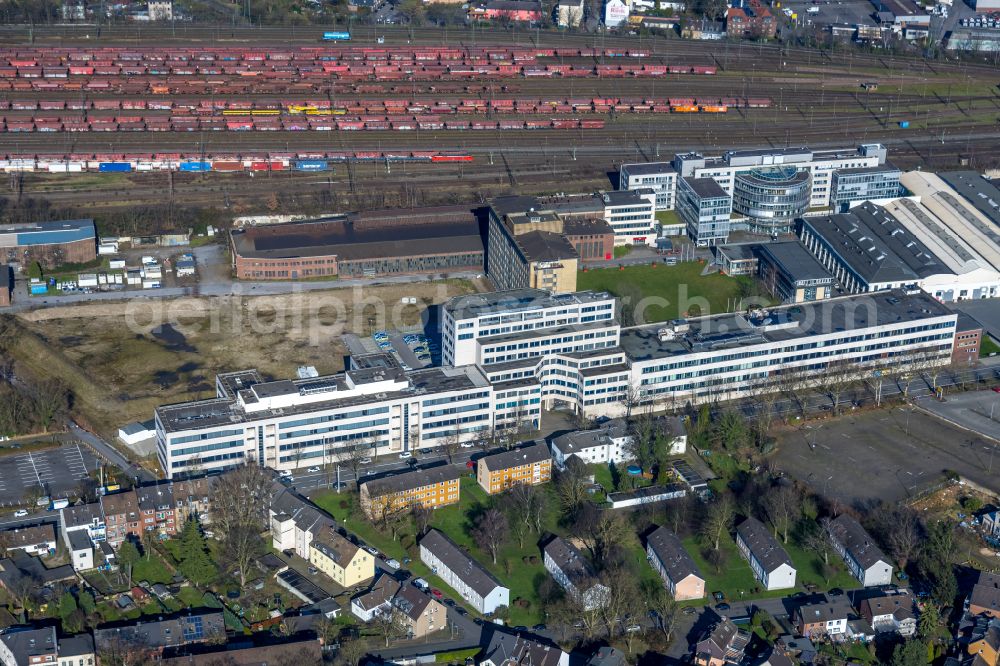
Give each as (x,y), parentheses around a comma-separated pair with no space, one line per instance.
(57,471)
(978,411)
(882,455)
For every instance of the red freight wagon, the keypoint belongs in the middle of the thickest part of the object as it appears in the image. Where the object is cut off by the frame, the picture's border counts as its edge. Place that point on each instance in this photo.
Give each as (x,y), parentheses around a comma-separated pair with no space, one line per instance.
(703,69)
(537,124)
(157,125)
(51,105)
(239,125)
(511,124)
(226,166)
(76,126)
(591,124)
(24,105)
(137,126)
(565,124)
(679,69)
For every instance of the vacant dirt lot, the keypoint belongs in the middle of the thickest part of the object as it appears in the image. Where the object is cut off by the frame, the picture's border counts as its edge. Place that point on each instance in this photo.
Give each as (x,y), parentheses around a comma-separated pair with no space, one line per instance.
(883,455)
(124,359)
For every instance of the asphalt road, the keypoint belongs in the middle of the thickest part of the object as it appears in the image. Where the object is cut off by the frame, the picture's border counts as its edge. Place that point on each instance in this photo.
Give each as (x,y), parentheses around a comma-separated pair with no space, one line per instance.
(111,454)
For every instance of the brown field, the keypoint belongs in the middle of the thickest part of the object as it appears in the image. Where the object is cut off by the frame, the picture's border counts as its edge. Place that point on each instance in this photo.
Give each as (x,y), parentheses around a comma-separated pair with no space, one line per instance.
(120,363)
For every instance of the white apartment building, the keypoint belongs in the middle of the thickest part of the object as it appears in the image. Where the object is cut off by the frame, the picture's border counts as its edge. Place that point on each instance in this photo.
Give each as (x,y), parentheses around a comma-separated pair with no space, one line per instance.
(608,444)
(661,177)
(821,164)
(288,424)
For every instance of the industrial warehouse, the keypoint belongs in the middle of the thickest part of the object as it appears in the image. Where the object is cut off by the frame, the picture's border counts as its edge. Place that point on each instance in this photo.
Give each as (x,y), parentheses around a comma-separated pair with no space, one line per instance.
(48,243)
(420,240)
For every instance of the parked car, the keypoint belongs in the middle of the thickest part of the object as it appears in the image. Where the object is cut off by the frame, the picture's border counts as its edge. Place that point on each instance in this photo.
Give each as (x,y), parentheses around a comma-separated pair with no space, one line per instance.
(366,461)
(420,584)
(404,455)
(285,474)
(392,564)
(313,470)
(21,513)
(313,570)
(371,550)
(721,607)
(467,445)
(437,593)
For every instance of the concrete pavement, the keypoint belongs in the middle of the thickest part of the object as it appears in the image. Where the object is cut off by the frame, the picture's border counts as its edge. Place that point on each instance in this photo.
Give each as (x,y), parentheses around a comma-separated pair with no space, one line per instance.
(110,453)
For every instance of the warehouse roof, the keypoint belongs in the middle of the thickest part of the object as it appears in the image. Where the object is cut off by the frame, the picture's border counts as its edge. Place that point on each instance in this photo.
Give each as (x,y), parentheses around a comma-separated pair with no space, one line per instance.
(53,226)
(670,552)
(468,570)
(764,547)
(415,479)
(581,226)
(364,238)
(977,190)
(876,246)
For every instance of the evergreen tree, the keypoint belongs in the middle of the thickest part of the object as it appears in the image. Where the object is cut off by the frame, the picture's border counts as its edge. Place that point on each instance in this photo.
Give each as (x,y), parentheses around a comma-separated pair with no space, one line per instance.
(195,564)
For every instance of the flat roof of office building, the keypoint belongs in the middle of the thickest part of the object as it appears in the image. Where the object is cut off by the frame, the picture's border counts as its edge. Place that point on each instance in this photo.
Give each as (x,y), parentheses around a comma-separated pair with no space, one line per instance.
(545,246)
(706,188)
(795,260)
(517,300)
(736,329)
(227,412)
(648,168)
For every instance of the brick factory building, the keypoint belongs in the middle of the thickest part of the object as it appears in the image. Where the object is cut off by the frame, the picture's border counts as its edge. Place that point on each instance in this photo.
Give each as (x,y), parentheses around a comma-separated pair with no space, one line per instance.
(49,243)
(382,242)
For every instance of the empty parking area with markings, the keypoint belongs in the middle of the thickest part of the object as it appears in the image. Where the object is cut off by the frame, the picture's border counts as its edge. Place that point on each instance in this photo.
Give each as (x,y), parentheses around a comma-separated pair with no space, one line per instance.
(56,471)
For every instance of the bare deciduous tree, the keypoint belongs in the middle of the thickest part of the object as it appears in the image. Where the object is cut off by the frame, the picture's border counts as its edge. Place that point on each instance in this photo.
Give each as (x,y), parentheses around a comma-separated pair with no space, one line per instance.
(491,532)
(783,506)
(718,520)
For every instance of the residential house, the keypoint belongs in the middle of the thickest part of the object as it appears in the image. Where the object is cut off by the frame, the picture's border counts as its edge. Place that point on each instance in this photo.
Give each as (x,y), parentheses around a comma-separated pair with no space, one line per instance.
(770,563)
(20,565)
(827,618)
(987,646)
(156,509)
(607,656)
(421,613)
(531,465)
(724,644)
(294,522)
(346,563)
(509,10)
(81,527)
(798,647)
(679,572)
(26,646)
(750,19)
(506,649)
(157,635)
(860,630)
(429,488)
(77,651)
(608,444)
(776,657)
(192,499)
(890,614)
(574,574)
(985,597)
(991,523)
(862,556)
(465,575)
(34,540)
(122,517)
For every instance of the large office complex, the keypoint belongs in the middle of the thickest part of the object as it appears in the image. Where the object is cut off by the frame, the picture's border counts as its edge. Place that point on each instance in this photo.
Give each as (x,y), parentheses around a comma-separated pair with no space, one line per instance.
(509,354)
(851,187)
(770,197)
(288,424)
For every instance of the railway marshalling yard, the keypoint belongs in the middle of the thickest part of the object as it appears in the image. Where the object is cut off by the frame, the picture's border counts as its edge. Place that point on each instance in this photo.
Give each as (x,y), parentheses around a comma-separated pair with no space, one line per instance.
(817,100)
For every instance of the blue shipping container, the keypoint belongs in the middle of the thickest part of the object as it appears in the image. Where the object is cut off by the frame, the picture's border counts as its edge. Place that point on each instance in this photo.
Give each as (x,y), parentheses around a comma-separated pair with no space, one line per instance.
(336,36)
(904,124)
(195,166)
(114,166)
(310,165)
(39,288)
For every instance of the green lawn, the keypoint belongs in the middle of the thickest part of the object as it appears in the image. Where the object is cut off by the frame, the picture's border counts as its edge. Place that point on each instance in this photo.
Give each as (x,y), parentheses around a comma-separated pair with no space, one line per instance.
(622,251)
(668,217)
(988,347)
(520,569)
(152,570)
(671,290)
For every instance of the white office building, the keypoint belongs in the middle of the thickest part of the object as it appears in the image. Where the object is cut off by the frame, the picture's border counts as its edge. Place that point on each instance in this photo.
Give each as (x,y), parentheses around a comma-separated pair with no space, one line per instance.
(820,165)
(288,424)
(632,215)
(661,177)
